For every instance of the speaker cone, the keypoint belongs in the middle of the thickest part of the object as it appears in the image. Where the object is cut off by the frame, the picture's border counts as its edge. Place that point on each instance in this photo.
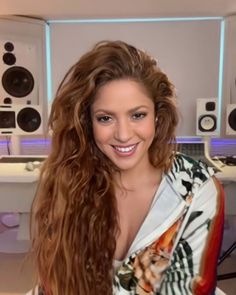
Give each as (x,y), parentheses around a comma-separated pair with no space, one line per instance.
(207,123)
(7,119)
(232,119)
(9,58)
(17,81)
(29,119)
(9,46)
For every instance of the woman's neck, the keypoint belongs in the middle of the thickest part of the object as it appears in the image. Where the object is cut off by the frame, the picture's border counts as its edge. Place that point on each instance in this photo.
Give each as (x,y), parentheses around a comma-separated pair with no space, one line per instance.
(136,178)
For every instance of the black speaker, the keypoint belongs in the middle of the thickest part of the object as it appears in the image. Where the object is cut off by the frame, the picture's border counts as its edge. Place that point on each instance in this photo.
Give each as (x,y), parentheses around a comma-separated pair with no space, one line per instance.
(20,119)
(206,118)
(23,77)
(231,119)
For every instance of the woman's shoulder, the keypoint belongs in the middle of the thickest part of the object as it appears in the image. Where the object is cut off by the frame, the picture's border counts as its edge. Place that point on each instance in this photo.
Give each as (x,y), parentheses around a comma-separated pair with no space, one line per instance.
(187,174)
(182,162)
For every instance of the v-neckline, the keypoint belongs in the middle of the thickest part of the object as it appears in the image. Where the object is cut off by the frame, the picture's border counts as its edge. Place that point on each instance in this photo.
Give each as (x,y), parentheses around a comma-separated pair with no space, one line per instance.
(156,194)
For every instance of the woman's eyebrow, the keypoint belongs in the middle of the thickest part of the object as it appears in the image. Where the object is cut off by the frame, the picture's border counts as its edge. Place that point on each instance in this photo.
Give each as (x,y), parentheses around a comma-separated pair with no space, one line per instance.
(137,108)
(112,112)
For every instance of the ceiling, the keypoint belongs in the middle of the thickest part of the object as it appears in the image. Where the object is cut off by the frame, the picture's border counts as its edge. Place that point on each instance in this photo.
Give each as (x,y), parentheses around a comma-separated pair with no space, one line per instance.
(77,9)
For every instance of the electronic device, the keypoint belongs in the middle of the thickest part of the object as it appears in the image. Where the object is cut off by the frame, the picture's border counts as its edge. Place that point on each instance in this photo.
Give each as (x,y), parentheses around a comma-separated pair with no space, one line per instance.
(231,119)
(200,151)
(206,117)
(23,76)
(21,119)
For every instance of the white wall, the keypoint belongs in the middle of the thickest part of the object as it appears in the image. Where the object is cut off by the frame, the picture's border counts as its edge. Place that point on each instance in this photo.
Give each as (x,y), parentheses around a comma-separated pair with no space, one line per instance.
(188,51)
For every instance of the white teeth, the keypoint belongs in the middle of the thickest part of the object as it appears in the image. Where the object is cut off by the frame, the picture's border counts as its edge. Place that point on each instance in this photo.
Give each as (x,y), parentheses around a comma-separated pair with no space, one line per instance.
(124,149)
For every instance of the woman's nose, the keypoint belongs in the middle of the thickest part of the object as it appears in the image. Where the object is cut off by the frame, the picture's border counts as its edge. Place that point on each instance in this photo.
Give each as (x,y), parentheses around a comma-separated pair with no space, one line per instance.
(123,132)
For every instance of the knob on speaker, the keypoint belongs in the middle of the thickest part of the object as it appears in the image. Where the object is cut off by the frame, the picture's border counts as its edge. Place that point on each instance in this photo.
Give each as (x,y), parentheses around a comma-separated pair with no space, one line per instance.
(206,119)
(231,119)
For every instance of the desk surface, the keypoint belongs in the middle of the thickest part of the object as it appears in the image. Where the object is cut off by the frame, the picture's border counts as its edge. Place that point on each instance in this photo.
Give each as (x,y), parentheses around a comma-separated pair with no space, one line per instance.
(13,168)
(16,172)
(228,174)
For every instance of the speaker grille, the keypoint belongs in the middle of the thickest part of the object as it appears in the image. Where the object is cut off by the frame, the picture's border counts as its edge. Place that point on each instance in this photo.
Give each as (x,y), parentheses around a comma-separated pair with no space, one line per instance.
(29,119)
(7,119)
(207,123)
(18,81)
(232,119)
(9,58)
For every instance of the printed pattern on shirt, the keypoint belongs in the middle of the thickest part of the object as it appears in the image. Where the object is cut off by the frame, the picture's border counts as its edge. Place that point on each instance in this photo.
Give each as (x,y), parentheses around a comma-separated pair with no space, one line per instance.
(153,270)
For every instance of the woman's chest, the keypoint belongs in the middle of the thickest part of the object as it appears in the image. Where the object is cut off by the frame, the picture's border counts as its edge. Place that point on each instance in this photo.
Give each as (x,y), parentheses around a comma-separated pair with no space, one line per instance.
(132,210)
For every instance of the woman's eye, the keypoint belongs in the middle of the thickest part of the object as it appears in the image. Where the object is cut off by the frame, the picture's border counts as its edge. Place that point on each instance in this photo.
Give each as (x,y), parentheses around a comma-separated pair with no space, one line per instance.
(103,119)
(138,116)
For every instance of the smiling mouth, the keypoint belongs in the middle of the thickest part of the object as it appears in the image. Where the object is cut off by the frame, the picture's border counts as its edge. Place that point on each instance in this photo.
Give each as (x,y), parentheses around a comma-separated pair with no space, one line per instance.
(125,149)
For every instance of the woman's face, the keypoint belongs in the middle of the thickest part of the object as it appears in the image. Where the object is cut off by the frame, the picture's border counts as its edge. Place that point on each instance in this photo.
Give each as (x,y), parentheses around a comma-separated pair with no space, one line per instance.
(123,120)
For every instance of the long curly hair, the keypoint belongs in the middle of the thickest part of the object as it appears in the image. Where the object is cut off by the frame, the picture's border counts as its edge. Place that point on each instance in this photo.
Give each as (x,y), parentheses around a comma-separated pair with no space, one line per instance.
(74,218)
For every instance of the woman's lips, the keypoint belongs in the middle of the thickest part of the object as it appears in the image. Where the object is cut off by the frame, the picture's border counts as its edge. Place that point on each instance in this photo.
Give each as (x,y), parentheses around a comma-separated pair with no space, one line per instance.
(125,150)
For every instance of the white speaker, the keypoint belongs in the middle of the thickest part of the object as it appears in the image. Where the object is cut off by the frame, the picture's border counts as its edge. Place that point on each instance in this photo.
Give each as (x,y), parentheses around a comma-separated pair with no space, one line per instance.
(23,62)
(206,117)
(231,119)
(20,119)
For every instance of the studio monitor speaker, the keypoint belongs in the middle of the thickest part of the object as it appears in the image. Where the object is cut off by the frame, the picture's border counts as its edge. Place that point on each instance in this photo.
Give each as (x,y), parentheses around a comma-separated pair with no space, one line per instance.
(23,79)
(20,119)
(206,117)
(231,119)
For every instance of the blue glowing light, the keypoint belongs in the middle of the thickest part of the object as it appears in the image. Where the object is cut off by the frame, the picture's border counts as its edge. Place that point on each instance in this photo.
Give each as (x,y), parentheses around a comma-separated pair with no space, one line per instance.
(221,73)
(48,63)
(132,20)
(188,139)
(47,142)
(214,141)
(36,141)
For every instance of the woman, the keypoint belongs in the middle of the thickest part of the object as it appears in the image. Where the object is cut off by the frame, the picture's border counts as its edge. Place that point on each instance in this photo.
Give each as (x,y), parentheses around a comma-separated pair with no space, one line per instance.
(118,210)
